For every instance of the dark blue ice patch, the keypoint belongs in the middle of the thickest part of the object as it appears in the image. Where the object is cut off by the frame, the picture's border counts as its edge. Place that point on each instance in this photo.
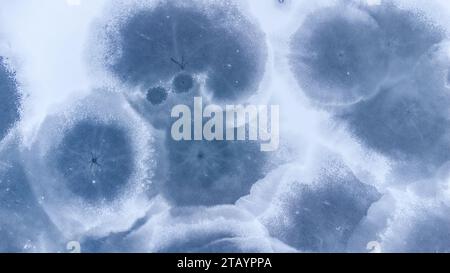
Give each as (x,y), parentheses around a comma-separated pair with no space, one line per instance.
(403,124)
(15,192)
(96,160)
(156,95)
(431,75)
(322,216)
(407,119)
(23,223)
(212,172)
(428,235)
(406,35)
(182,83)
(237,68)
(337,55)
(158,44)
(9,98)
(344,54)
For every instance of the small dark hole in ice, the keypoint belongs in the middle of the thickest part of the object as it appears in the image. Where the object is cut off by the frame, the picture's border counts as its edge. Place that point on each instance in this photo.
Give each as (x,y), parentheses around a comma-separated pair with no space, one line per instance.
(156,95)
(183,83)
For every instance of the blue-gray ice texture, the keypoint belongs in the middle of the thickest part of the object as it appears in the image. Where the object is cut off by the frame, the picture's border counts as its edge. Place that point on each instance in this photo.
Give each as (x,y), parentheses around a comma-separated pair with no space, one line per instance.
(86,153)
